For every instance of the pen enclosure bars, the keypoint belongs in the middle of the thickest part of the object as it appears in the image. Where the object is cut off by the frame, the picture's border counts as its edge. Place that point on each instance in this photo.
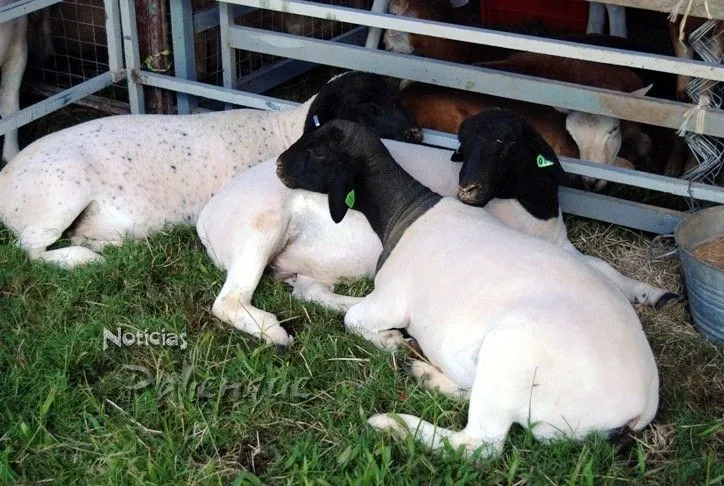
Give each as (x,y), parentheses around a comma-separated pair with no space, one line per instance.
(703,120)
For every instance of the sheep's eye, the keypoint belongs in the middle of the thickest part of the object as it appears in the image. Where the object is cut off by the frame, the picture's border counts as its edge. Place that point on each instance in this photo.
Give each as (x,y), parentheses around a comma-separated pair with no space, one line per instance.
(613,130)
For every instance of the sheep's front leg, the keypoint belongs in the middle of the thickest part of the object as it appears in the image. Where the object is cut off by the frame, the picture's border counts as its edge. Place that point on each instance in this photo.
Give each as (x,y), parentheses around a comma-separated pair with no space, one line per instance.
(377,318)
(617,20)
(307,288)
(233,305)
(596,18)
(12,74)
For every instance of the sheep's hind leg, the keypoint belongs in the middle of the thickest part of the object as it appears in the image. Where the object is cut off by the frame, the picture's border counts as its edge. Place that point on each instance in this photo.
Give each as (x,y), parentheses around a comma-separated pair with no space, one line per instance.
(489,415)
(432,378)
(636,292)
(35,242)
(307,288)
(37,236)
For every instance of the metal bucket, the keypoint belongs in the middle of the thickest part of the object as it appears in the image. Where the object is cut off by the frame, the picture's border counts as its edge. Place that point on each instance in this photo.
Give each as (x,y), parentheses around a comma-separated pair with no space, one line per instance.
(704,282)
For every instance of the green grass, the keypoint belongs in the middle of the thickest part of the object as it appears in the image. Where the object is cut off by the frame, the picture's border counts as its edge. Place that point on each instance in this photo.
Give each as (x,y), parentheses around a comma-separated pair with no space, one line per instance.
(231,409)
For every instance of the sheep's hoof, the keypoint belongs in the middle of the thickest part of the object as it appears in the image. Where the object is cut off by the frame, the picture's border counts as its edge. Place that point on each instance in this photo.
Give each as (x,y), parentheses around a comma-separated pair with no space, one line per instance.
(383,421)
(281,349)
(667,299)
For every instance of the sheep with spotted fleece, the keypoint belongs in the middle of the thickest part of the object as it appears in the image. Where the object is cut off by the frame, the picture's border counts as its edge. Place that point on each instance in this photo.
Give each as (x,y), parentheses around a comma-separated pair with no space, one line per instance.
(533,334)
(255,221)
(128,176)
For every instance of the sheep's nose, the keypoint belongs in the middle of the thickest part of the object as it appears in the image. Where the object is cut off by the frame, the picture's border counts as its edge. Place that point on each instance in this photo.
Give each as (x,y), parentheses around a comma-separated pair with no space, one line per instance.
(413,135)
(470,193)
(592,184)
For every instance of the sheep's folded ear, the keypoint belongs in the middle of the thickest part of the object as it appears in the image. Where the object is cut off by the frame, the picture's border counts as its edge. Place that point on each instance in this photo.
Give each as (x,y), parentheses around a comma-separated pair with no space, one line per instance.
(546,159)
(338,196)
(457,156)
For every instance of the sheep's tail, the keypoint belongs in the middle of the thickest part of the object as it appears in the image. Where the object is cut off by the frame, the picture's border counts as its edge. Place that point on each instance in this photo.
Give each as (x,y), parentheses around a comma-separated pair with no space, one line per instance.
(432,436)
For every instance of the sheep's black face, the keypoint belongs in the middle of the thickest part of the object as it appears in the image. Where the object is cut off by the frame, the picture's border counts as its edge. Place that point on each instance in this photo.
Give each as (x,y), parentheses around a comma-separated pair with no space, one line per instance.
(310,163)
(327,160)
(505,157)
(366,99)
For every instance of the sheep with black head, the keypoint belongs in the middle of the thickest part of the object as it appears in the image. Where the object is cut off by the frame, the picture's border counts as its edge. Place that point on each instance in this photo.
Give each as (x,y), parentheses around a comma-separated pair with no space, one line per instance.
(509,169)
(534,335)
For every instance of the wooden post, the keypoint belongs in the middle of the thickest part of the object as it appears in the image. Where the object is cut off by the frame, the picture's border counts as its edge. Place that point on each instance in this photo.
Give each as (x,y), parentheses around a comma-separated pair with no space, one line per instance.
(153,43)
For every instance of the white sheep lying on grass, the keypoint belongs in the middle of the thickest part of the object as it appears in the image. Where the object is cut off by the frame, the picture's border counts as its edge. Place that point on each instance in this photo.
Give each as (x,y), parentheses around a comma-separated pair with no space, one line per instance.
(536,336)
(125,177)
(255,221)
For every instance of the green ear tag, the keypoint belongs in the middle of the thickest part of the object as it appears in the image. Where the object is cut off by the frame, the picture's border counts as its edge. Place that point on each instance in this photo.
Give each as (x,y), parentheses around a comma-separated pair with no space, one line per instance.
(349,200)
(543,162)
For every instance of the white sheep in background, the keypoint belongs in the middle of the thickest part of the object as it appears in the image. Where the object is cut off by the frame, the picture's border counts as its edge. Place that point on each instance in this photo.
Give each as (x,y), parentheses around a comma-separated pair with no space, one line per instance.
(537,337)
(255,221)
(127,176)
(13,58)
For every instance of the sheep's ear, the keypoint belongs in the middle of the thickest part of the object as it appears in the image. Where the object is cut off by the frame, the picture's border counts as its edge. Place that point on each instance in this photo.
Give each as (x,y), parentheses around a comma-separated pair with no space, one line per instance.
(322,109)
(623,163)
(457,156)
(537,187)
(546,159)
(642,91)
(341,196)
(562,110)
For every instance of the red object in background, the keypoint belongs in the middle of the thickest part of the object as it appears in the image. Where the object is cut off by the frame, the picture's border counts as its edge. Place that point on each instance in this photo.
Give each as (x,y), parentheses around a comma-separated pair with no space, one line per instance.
(570,15)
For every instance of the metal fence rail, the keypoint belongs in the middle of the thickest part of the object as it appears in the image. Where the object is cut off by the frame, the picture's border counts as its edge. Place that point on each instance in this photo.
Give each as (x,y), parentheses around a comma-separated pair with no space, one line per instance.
(198,48)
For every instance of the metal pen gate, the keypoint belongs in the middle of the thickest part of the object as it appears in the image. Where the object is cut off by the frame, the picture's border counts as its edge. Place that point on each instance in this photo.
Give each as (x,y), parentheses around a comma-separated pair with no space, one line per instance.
(115,68)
